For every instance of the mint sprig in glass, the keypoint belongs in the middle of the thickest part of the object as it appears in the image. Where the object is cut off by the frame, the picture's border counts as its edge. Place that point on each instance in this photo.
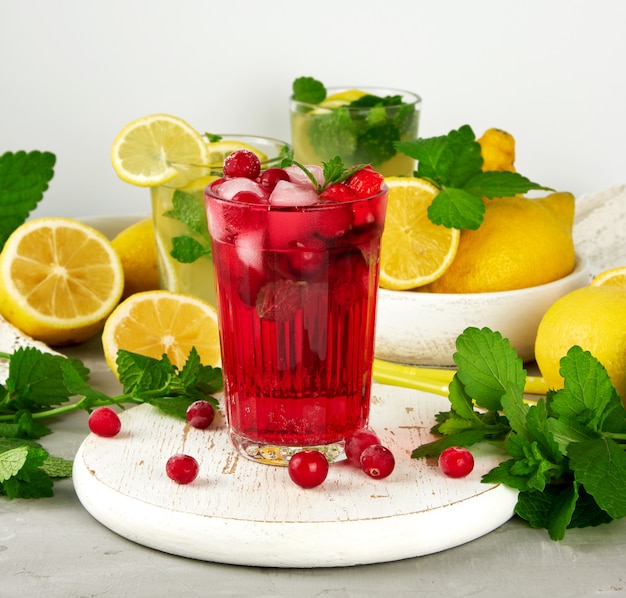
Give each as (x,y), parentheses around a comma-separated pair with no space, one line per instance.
(360,125)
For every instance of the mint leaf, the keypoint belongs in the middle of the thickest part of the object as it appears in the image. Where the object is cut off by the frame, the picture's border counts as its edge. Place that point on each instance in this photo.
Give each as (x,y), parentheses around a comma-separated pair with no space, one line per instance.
(21,475)
(448,161)
(308,90)
(334,133)
(498,183)
(23,179)
(36,380)
(57,467)
(187,250)
(433,449)
(456,208)
(600,466)
(488,367)
(376,143)
(453,163)
(139,372)
(588,395)
(189,210)
(12,461)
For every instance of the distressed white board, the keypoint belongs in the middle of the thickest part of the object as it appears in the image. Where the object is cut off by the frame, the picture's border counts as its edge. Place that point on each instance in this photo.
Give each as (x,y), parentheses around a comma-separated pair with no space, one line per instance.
(246,513)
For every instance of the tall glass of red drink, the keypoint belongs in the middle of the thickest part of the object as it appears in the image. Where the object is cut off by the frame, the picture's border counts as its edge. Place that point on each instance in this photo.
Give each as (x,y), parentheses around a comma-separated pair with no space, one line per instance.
(296,287)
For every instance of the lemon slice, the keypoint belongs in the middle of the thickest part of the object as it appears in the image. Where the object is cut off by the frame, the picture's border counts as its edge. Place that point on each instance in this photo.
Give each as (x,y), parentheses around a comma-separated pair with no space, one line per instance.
(150,151)
(614,277)
(342,98)
(59,280)
(414,251)
(218,150)
(154,323)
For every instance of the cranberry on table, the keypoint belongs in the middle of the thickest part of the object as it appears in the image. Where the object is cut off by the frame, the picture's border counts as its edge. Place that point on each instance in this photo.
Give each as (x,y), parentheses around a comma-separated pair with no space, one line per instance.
(242,163)
(181,468)
(200,414)
(308,468)
(104,422)
(357,443)
(456,462)
(377,461)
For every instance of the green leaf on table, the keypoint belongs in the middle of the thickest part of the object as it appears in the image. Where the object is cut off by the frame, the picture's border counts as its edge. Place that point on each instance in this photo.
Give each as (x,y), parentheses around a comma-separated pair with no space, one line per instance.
(488,367)
(588,395)
(23,179)
(57,467)
(600,466)
(21,475)
(36,380)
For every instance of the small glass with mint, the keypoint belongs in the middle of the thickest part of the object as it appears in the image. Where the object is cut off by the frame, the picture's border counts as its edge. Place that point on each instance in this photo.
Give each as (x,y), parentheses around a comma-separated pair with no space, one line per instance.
(296,254)
(360,125)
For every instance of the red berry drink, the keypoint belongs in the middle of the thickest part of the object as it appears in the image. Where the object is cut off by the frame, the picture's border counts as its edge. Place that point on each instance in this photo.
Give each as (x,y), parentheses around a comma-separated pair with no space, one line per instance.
(296,267)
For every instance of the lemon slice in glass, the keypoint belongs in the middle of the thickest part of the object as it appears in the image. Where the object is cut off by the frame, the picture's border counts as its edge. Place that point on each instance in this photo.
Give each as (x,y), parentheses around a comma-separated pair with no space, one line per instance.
(219,150)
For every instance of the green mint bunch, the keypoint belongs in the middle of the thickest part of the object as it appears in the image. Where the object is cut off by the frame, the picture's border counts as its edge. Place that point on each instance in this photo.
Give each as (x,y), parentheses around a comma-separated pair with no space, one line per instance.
(365,136)
(567,453)
(43,385)
(24,176)
(453,164)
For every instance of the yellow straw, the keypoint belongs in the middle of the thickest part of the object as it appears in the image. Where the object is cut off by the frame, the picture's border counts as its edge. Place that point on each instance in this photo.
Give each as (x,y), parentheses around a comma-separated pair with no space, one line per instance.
(435,380)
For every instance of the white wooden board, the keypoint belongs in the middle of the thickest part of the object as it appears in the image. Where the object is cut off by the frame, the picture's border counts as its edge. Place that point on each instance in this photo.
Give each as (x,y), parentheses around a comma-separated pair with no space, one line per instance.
(246,513)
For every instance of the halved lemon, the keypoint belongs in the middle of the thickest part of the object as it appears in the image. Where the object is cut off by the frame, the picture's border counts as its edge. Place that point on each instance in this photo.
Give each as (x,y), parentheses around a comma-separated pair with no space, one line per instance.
(155,323)
(59,280)
(219,150)
(151,150)
(414,251)
(613,277)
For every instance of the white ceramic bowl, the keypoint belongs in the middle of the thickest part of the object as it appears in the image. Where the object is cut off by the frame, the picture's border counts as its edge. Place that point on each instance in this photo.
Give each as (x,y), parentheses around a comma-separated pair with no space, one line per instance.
(422,328)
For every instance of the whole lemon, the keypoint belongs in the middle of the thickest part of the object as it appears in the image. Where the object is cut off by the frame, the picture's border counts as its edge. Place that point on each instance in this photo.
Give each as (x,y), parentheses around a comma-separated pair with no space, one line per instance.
(593,318)
(522,242)
(497,148)
(136,246)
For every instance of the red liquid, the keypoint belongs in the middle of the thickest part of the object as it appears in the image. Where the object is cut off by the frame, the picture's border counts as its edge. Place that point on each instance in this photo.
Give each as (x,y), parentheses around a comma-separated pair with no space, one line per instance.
(297,303)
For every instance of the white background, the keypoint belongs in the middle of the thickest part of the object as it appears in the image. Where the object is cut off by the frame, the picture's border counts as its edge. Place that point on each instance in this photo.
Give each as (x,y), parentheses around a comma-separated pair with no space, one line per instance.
(74,72)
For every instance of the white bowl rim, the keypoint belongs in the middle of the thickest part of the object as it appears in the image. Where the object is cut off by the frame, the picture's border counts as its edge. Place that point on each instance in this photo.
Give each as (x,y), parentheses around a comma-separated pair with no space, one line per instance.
(581,267)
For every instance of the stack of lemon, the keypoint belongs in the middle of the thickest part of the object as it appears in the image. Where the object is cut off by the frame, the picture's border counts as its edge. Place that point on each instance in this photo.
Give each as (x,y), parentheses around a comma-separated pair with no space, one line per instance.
(61,281)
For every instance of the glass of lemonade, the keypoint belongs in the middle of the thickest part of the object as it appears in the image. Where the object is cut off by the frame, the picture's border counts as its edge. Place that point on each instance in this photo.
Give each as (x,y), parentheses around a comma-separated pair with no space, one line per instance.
(297,289)
(358,125)
(179,214)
